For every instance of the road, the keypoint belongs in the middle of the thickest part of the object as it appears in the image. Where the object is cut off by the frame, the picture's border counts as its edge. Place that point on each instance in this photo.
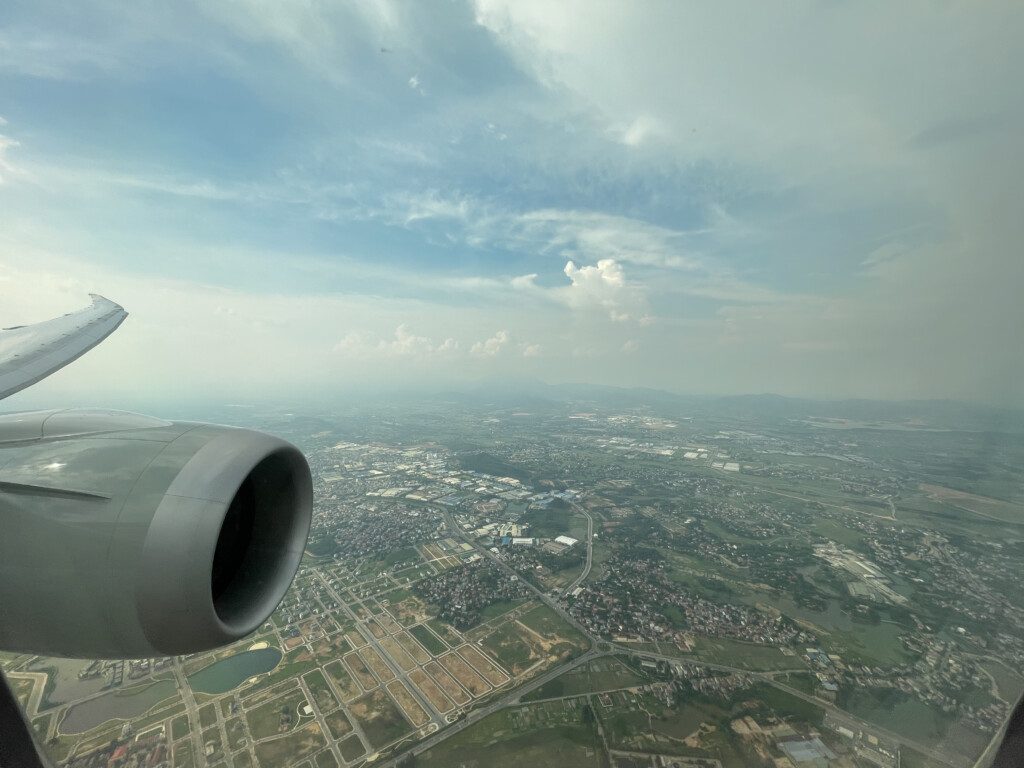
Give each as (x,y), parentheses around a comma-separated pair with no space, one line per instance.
(590,549)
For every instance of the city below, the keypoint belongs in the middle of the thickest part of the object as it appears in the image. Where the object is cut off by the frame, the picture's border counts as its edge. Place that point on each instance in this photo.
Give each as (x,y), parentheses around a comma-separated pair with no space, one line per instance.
(603,582)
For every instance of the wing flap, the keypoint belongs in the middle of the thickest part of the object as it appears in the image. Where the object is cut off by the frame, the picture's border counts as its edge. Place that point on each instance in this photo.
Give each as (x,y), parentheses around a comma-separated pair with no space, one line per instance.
(30,353)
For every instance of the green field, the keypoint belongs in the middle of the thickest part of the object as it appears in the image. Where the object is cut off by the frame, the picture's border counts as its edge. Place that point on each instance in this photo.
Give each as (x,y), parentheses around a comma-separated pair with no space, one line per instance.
(428,640)
(351,748)
(506,645)
(338,724)
(291,748)
(600,675)
(502,742)
(266,719)
(546,622)
(323,697)
(380,719)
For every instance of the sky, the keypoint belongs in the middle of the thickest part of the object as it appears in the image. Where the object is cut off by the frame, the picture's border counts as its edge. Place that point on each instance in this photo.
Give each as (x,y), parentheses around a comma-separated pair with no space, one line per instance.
(305,199)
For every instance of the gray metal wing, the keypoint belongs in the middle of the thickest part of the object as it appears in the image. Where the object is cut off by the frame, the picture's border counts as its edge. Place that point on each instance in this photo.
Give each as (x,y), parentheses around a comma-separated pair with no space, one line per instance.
(30,353)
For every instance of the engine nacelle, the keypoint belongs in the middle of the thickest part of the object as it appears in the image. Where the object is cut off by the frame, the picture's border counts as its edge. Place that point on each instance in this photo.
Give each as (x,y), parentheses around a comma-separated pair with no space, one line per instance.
(125,536)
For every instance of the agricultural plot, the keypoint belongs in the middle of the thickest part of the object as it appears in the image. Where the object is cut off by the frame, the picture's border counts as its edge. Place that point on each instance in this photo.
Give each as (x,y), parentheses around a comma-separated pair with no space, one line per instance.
(377,664)
(414,649)
(431,691)
(447,683)
(380,718)
(491,672)
(465,674)
(410,707)
(358,669)
(343,681)
(397,653)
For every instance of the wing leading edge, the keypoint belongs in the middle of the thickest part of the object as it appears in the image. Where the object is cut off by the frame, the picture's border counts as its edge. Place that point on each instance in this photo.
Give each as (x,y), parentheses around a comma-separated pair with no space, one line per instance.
(30,353)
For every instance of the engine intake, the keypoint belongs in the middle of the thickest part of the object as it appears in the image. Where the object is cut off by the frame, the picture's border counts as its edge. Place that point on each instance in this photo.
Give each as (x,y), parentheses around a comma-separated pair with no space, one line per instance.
(151,538)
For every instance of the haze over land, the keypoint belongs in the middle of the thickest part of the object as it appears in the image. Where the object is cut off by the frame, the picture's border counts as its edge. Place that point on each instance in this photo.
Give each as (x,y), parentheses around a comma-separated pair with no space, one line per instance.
(817,201)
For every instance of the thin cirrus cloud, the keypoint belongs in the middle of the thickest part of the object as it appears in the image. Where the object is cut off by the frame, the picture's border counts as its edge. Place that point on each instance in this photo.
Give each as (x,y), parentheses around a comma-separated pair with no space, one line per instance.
(814,200)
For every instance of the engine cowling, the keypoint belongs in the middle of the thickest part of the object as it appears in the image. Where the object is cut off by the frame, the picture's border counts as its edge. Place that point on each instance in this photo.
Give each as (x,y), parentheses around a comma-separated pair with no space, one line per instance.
(125,536)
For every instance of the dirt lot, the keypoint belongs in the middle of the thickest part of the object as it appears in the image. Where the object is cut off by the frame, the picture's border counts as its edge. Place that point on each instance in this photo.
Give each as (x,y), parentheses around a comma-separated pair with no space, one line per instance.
(360,671)
(483,665)
(397,653)
(447,683)
(412,709)
(343,681)
(413,648)
(431,691)
(377,664)
(465,674)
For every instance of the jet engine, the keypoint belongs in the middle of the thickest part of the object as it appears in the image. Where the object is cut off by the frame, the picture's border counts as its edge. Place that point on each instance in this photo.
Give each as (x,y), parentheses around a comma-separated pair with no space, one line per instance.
(126,536)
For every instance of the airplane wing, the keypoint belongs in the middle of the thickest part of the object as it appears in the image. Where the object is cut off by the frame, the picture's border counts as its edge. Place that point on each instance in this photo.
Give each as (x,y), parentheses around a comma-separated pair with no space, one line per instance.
(30,353)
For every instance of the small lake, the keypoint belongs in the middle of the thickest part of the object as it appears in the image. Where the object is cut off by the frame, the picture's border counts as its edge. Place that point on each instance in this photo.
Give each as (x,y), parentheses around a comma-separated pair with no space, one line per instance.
(223,675)
(114,705)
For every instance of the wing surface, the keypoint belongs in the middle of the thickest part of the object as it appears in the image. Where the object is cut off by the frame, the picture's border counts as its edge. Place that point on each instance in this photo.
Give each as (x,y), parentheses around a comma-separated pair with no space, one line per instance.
(30,353)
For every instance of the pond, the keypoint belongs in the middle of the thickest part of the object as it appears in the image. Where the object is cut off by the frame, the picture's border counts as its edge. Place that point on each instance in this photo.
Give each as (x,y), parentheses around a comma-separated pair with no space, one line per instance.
(120,705)
(223,675)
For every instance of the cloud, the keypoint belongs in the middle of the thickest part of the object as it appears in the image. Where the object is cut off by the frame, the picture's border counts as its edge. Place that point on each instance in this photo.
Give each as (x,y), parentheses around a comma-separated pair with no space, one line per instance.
(492,346)
(603,285)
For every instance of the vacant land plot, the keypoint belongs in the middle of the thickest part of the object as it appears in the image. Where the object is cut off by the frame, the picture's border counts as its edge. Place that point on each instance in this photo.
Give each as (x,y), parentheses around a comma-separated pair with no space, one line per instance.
(414,649)
(600,675)
(412,709)
(355,639)
(288,749)
(326,759)
(389,623)
(337,724)
(343,681)
(431,691)
(377,664)
(483,665)
(376,629)
(557,747)
(183,754)
(554,630)
(268,693)
(465,674)
(408,611)
(510,648)
(235,730)
(323,696)
(447,683)
(446,632)
(428,639)
(278,716)
(397,653)
(380,718)
(351,748)
(360,671)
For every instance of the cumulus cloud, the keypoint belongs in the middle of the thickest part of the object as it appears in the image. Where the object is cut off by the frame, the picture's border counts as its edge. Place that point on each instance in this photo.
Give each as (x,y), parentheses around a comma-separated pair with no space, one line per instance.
(603,285)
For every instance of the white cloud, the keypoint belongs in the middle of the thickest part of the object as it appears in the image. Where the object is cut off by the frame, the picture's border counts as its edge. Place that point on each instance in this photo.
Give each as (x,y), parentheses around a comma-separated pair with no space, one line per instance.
(492,346)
